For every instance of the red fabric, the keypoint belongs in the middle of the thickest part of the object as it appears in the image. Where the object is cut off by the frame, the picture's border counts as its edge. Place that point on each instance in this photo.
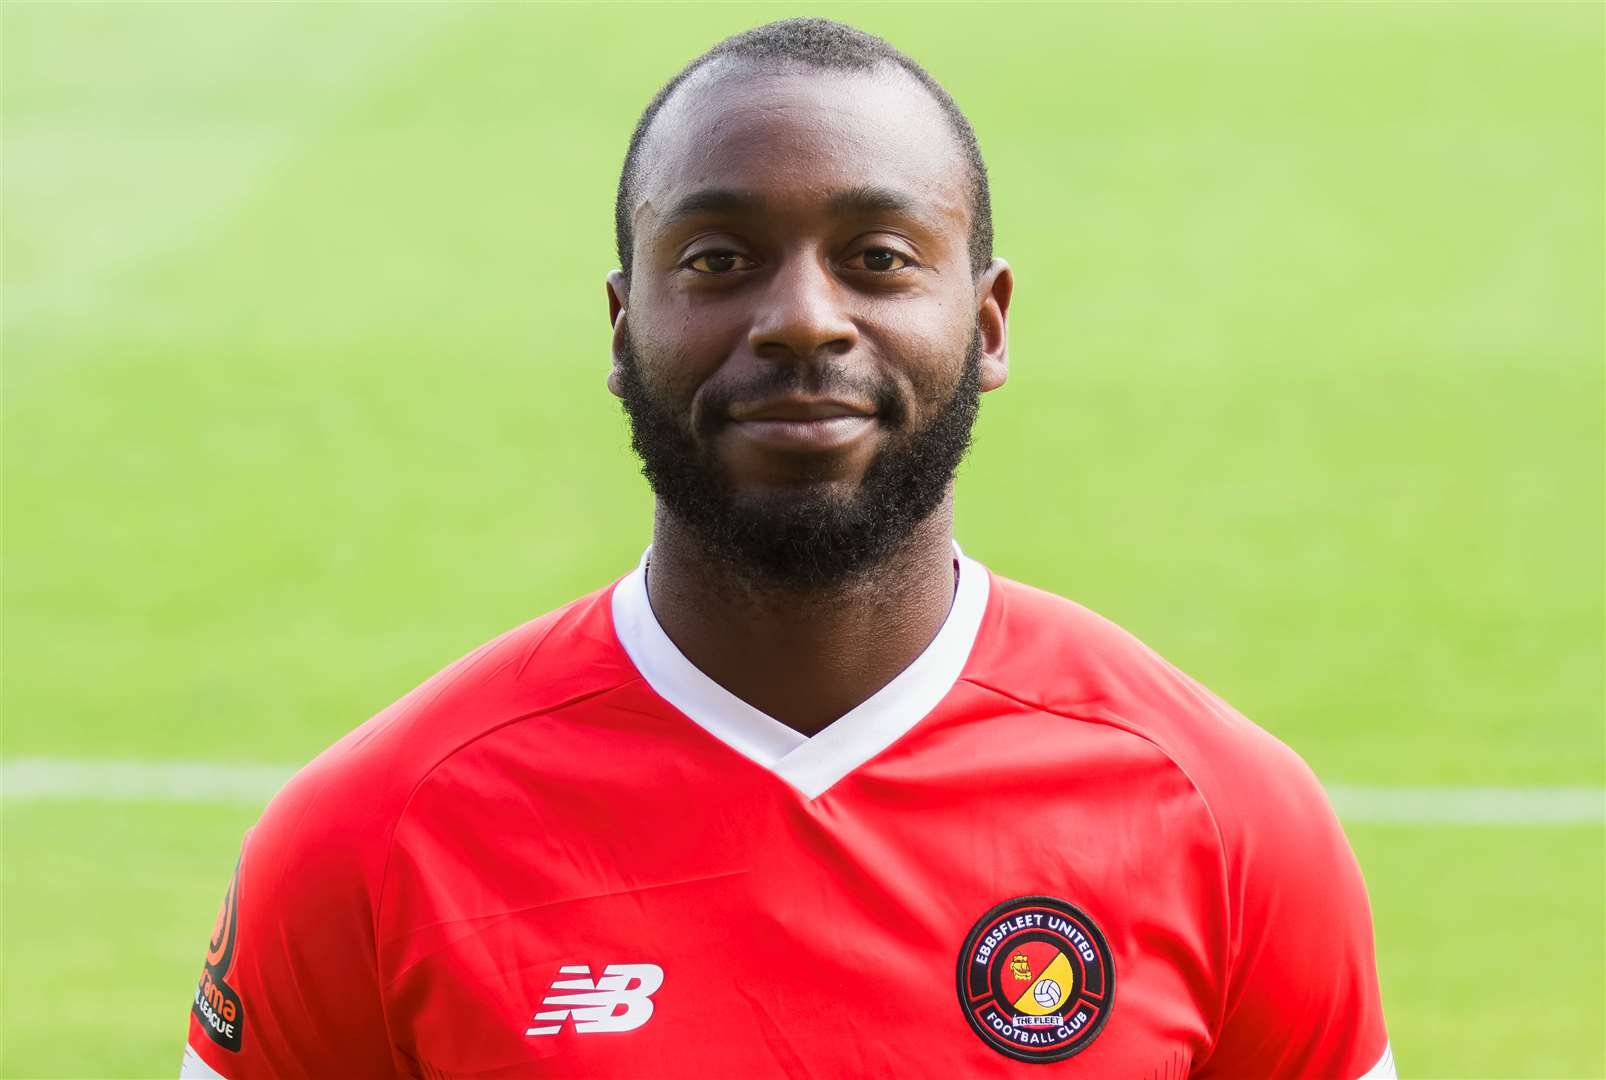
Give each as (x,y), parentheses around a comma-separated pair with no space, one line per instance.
(404,905)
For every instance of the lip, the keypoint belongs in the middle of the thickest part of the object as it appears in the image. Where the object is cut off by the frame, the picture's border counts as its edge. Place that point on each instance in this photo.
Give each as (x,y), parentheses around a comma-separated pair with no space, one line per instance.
(825,433)
(798,410)
(802,425)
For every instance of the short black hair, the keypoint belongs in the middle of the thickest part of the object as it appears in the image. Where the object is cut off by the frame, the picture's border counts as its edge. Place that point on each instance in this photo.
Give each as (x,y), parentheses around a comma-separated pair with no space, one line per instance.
(823,45)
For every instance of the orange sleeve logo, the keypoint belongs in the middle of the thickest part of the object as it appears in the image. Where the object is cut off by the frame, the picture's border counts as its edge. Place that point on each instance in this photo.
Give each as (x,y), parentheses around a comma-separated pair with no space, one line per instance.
(217,1005)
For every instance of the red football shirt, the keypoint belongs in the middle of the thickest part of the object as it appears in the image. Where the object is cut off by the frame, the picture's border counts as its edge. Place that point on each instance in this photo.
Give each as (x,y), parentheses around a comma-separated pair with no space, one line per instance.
(573,854)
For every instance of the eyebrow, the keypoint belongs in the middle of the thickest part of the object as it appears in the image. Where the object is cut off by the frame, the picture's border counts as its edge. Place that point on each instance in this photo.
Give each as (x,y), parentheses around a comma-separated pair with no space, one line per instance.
(870,199)
(859,199)
(713,200)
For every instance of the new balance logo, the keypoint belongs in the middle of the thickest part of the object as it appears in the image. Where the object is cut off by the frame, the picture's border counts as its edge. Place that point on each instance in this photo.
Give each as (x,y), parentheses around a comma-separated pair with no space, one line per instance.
(611,1003)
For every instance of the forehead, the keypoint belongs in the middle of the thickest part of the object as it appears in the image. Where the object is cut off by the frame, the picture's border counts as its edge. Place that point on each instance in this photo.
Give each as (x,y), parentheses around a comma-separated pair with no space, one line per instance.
(797,138)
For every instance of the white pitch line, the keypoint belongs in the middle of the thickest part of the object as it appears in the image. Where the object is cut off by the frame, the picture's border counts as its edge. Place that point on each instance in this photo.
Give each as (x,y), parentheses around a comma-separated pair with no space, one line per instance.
(34,779)
(1469,805)
(37,779)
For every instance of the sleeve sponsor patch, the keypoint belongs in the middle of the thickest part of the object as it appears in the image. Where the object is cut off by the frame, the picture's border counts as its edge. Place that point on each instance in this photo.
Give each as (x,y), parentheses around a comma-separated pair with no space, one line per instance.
(217,1006)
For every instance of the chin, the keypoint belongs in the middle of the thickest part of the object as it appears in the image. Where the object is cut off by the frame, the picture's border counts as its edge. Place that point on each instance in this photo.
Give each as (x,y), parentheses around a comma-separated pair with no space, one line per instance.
(766,473)
(807,493)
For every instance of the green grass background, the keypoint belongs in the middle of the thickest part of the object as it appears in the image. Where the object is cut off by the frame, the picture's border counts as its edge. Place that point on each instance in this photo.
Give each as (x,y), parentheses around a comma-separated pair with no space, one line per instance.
(304,348)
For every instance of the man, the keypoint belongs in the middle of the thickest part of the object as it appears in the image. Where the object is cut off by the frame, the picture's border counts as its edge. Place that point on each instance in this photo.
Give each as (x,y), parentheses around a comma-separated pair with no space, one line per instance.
(809,792)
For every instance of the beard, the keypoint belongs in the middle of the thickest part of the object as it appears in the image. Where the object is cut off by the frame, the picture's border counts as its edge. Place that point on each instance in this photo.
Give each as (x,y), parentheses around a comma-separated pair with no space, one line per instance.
(806,537)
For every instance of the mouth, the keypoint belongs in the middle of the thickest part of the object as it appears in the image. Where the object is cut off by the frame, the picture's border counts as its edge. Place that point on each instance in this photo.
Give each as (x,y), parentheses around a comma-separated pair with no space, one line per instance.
(803,424)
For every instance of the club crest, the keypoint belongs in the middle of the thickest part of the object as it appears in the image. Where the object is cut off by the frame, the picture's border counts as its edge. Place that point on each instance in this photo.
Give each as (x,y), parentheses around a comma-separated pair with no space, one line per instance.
(1036,980)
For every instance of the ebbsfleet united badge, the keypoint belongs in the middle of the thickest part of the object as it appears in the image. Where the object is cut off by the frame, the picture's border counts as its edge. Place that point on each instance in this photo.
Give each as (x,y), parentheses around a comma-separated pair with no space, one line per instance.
(1036,979)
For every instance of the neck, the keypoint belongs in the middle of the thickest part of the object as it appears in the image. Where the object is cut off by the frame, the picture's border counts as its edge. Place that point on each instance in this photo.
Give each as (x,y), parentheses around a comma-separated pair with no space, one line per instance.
(803,657)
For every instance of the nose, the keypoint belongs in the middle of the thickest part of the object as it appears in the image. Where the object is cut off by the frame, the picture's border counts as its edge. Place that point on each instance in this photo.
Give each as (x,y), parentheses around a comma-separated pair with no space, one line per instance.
(801,314)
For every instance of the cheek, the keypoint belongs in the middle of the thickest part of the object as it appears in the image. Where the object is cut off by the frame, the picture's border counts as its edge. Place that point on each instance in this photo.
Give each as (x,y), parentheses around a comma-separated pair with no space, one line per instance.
(930,360)
(684,344)
(673,366)
(935,324)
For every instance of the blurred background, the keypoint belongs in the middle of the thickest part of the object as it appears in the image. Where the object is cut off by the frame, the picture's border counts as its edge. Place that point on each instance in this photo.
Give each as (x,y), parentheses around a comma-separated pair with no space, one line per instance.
(304,347)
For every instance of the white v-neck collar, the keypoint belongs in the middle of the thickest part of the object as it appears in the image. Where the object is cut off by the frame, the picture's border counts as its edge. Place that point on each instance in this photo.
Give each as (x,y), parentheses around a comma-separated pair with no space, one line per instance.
(811,765)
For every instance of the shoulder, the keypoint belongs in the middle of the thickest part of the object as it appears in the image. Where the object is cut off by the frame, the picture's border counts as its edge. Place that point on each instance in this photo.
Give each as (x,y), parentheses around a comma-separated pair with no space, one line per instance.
(1296,992)
(1058,655)
(341,807)
(312,870)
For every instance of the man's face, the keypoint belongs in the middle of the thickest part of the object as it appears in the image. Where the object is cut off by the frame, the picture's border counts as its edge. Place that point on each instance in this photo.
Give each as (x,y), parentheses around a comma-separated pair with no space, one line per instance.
(801,343)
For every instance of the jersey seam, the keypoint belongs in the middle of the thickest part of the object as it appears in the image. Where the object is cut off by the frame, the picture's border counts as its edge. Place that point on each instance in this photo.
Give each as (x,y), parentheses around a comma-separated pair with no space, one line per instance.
(1215,825)
(396,822)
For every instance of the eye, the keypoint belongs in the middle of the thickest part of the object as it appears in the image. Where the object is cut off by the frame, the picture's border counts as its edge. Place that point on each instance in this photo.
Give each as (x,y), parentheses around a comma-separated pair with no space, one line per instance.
(880,259)
(719,262)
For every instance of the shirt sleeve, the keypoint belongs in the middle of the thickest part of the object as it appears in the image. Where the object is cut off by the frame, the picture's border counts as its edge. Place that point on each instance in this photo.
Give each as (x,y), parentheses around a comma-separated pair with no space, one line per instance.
(289,984)
(1302,998)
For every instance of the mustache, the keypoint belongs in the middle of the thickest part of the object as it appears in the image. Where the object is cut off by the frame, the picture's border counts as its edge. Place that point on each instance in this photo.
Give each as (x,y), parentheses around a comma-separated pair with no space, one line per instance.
(812,380)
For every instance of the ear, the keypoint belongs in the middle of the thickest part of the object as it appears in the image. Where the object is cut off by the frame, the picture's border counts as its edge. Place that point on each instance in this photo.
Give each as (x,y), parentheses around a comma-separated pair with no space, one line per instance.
(618,290)
(993,290)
